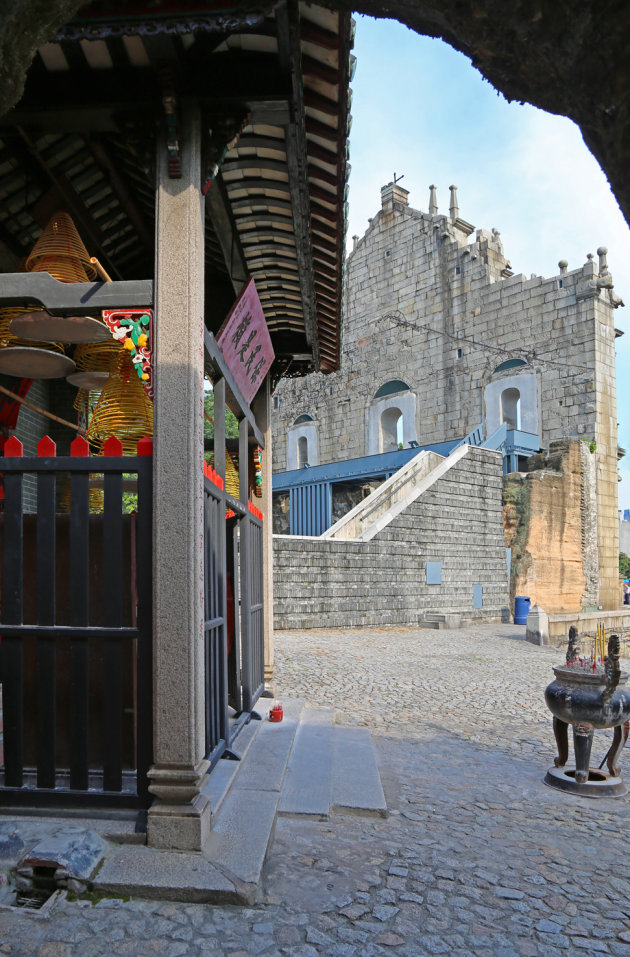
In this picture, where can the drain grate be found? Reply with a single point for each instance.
(32, 900)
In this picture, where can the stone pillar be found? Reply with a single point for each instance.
(454, 207)
(180, 817)
(537, 626)
(606, 455)
(262, 410)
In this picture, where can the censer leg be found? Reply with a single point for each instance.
(620, 736)
(582, 744)
(561, 734)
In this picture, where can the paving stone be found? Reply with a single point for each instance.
(509, 893)
(493, 858)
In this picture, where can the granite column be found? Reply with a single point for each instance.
(180, 817)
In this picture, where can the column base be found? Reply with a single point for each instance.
(180, 819)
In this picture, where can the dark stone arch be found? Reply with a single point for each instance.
(566, 58)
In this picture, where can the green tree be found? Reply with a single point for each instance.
(231, 422)
(624, 565)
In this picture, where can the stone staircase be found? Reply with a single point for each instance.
(304, 766)
(393, 496)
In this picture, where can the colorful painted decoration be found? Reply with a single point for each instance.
(133, 329)
(258, 472)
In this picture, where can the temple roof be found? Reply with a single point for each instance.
(273, 91)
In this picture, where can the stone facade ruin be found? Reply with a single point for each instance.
(550, 518)
(442, 339)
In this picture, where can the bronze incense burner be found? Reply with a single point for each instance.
(588, 693)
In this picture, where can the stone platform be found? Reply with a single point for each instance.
(304, 766)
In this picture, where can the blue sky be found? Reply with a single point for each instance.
(420, 109)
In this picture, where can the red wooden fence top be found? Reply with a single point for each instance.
(79, 447)
(13, 448)
(46, 448)
(113, 446)
(145, 446)
(212, 475)
(255, 511)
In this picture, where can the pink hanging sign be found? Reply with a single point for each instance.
(245, 342)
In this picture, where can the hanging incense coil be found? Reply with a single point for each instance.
(231, 473)
(94, 363)
(123, 410)
(96, 498)
(18, 357)
(60, 252)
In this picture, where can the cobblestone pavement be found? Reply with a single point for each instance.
(477, 856)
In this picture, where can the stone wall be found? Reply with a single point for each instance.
(550, 516)
(427, 304)
(346, 584)
(31, 426)
(615, 623)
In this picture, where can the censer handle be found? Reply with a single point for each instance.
(612, 666)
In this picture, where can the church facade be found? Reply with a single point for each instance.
(443, 341)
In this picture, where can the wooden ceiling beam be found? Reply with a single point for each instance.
(287, 17)
(224, 226)
(312, 33)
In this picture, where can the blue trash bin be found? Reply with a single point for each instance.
(521, 609)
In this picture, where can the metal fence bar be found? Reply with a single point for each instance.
(116, 787)
(144, 624)
(221, 613)
(235, 687)
(245, 548)
(257, 637)
(46, 649)
(112, 647)
(12, 659)
(79, 615)
(215, 647)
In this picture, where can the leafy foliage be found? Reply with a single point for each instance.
(624, 565)
(231, 422)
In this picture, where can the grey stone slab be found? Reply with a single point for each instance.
(168, 875)
(72, 848)
(238, 842)
(266, 763)
(306, 788)
(356, 783)
(223, 775)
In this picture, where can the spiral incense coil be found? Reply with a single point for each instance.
(123, 410)
(231, 473)
(94, 363)
(96, 499)
(99, 356)
(60, 252)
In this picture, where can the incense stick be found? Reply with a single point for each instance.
(38, 408)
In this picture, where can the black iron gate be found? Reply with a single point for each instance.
(75, 627)
(233, 552)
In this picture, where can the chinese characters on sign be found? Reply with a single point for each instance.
(245, 343)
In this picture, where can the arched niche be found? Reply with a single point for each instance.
(511, 396)
(391, 418)
(391, 429)
(302, 445)
(511, 408)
